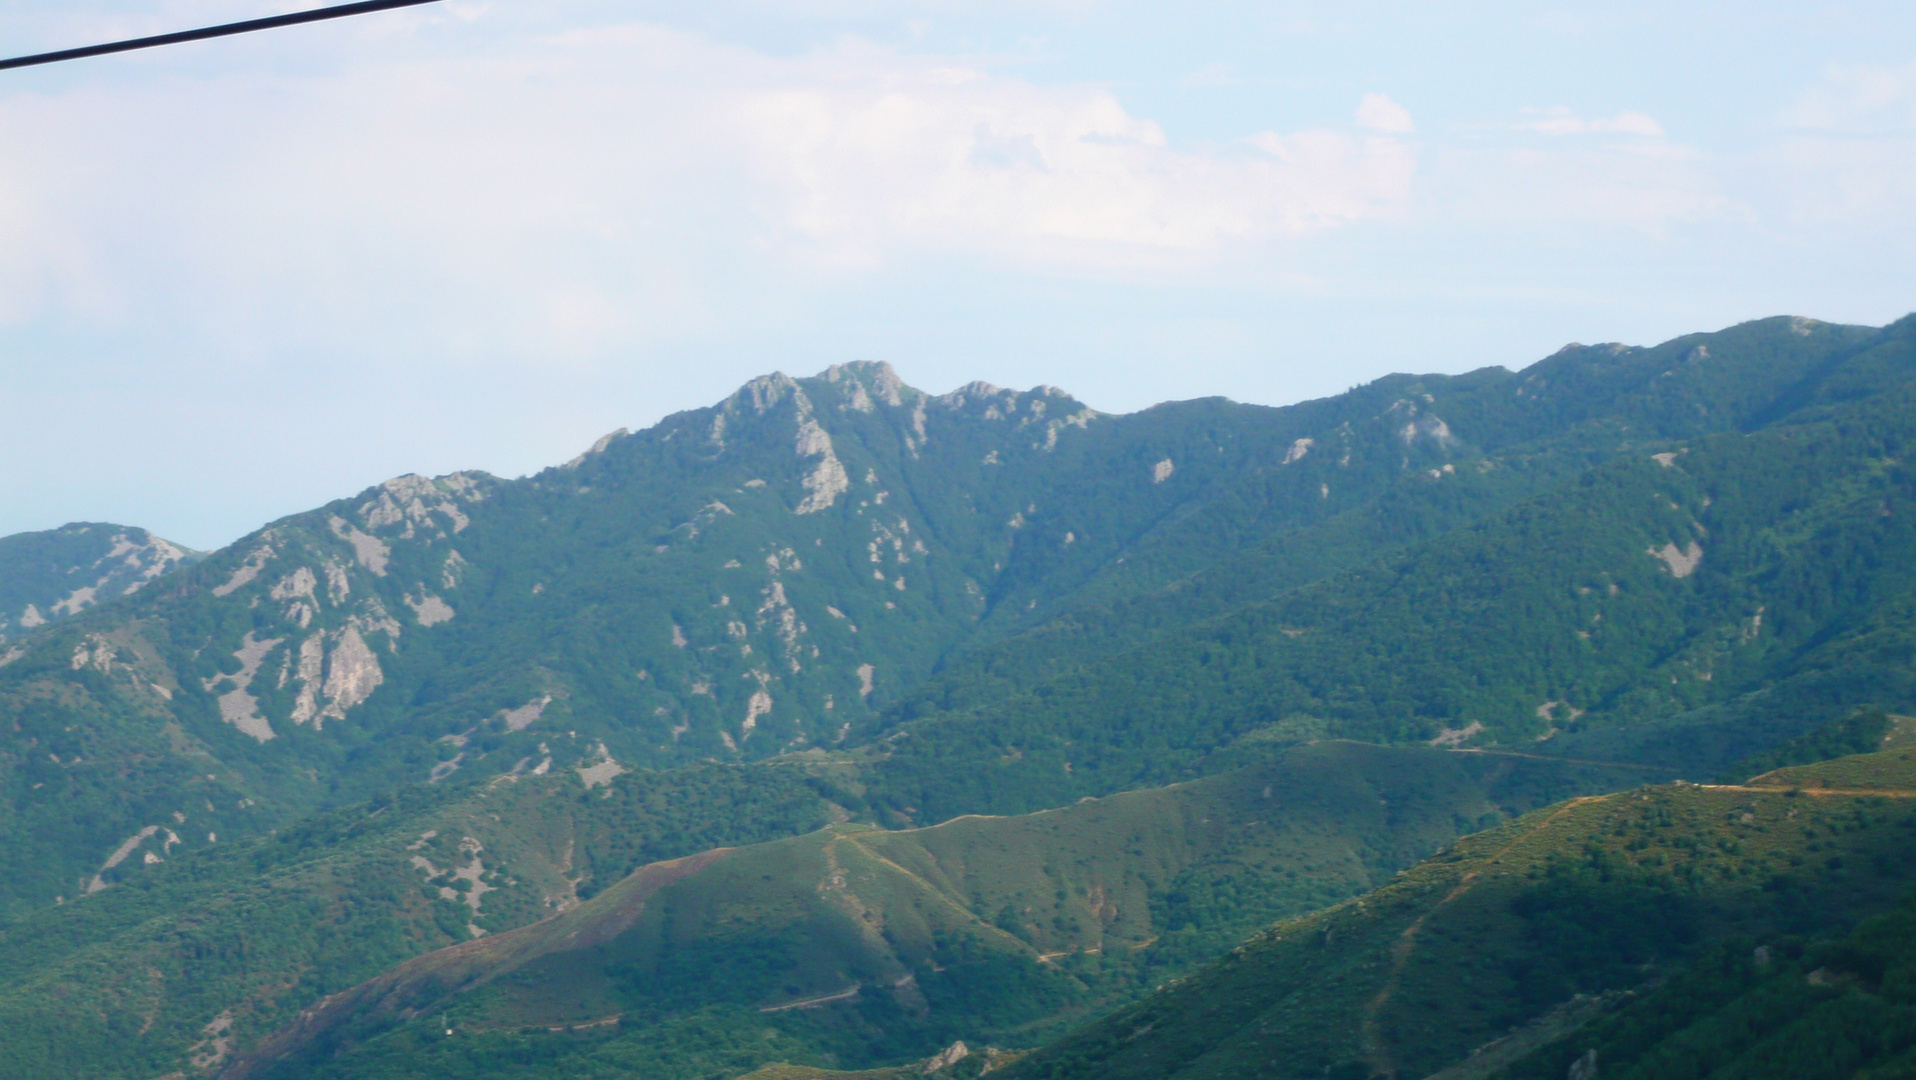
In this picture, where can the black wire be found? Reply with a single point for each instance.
(340, 12)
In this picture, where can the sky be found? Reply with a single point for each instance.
(243, 277)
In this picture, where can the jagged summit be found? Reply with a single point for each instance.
(863, 387)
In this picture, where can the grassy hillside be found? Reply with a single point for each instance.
(1597, 896)
(1787, 1006)
(1864, 731)
(856, 946)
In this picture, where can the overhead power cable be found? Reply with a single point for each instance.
(341, 11)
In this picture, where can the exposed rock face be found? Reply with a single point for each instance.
(1428, 428)
(949, 1056)
(245, 573)
(238, 707)
(127, 847)
(597, 447)
(1681, 561)
(827, 481)
(758, 705)
(1457, 736)
(312, 658)
(429, 610)
(372, 553)
(525, 715)
(418, 503)
(601, 773)
(352, 674)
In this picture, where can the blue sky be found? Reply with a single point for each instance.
(239, 278)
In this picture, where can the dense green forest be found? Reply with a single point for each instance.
(1631, 920)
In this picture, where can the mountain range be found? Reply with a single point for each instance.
(840, 723)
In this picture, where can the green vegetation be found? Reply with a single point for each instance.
(1861, 732)
(387, 754)
(125, 983)
(1799, 1004)
(856, 946)
(1788, 1010)
(1550, 623)
(1890, 770)
(1596, 896)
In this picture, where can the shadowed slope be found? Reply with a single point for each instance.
(1596, 895)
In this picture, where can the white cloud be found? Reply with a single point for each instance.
(1859, 99)
(1820, 182)
(1215, 74)
(585, 192)
(1561, 121)
(438, 240)
(892, 152)
(1851, 162)
(1380, 113)
(1648, 188)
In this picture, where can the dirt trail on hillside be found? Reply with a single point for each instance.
(1563, 760)
(1887, 793)
(813, 1003)
(1375, 1049)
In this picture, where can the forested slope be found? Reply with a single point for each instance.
(1688, 607)
(1604, 897)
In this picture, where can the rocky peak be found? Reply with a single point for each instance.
(45, 576)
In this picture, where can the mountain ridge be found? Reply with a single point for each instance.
(446, 709)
